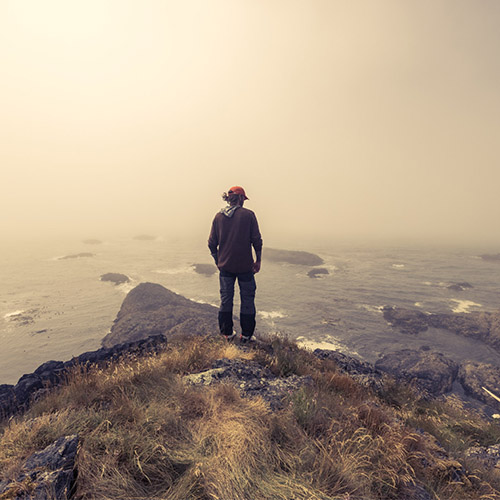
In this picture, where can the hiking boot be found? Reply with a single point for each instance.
(246, 340)
(231, 337)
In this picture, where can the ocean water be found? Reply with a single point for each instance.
(56, 309)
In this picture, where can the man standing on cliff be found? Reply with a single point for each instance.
(234, 232)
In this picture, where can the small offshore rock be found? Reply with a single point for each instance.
(206, 269)
(115, 278)
(317, 271)
(459, 287)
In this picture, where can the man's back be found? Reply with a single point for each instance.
(232, 237)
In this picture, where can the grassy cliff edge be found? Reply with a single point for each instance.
(147, 431)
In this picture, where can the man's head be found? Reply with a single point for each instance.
(235, 196)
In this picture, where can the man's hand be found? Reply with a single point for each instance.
(256, 267)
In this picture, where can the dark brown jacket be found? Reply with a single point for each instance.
(232, 238)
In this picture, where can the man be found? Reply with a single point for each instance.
(234, 232)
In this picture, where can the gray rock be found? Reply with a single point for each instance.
(251, 379)
(47, 474)
(292, 257)
(361, 371)
(115, 278)
(317, 271)
(459, 287)
(489, 457)
(406, 320)
(206, 269)
(151, 309)
(430, 371)
(484, 326)
(476, 377)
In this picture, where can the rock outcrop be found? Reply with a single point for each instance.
(16, 398)
(364, 373)
(430, 371)
(481, 381)
(151, 309)
(115, 278)
(484, 326)
(47, 474)
(292, 257)
(251, 379)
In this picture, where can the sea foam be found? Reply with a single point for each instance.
(463, 306)
(13, 314)
(272, 314)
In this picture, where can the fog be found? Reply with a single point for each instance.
(341, 119)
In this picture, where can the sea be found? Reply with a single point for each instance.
(54, 308)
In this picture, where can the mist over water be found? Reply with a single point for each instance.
(341, 119)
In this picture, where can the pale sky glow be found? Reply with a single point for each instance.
(340, 118)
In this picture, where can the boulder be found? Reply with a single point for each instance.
(206, 269)
(251, 378)
(407, 320)
(481, 381)
(459, 287)
(47, 474)
(317, 271)
(363, 372)
(292, 257)
(151, 309)
(431, 371)
(115, 278)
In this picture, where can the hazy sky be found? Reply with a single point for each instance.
(340, 118)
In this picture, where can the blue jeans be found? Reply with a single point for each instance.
(246, 282)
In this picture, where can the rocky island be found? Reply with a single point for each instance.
(296, 257)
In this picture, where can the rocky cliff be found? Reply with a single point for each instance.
(151, 309)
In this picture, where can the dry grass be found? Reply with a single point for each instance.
(146, 434)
